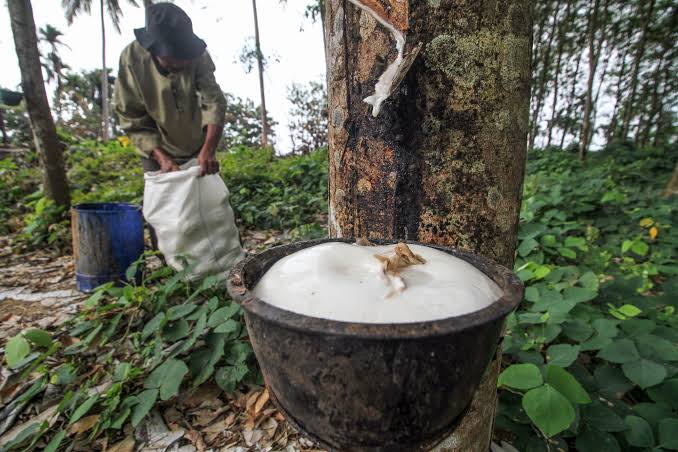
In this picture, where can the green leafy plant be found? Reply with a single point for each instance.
(129, 349)
(592, 354)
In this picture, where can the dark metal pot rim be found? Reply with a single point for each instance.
(239, 283)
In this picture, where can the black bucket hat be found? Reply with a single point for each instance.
(169, 33)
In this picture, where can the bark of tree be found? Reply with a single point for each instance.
(614, 120)
(672, 187)
(443, 162)
(540, 91)
(47, 142)
(105, 116)
(559, 58)
(629, 108)
(571, 101)
(593, 64)
(5, 139)
(260, 64)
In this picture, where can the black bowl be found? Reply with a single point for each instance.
(371, 387)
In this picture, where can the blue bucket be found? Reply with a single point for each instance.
(107, 239)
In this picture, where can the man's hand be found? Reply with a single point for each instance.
(208, 162)
(207, 157)
(167, 165)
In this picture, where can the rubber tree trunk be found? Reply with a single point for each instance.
(443, 161)
(630, 108)
(593, 64)
(260, 64)
(105, 116)
(47, 142)
(5, 139)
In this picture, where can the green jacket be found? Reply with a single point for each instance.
(167, 111)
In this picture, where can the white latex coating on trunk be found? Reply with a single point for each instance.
(340, 281)
(383, 87)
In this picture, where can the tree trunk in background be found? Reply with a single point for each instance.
(260, 63)
(571, 101)
(629, 108)
(611, 132)
(541, 11)
(540, 89)
(443, 162)
(5, 140)
(46, 140)
(105, 119)
(593, 64)
(559, 57)
(672, 187)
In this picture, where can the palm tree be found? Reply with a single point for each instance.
(75, 7)
(47, 142)
(52, 63)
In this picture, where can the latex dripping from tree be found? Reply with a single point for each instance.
(391, 266)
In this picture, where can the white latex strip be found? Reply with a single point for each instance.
(383, 87)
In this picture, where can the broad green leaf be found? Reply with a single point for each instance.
(655, 347)
(228, 377)
(567, 252)
(626, 245)
(665, 392)
(530, 230)
(668, 434)
(182, 310)
(576, 242)
(53, 445)
(83, 409)
(222, 314)
(644, 373)
(532, 294)
(153, 325)
(93, 300)
(548, 409)
(549, 240)
(122, 372)
(579, 294)
(611, 381)
(653, 412)
(640, 248)
(16, 350)
(596, 342)
(629, 310)
(595, 441)
(602, 417)
(521, 376)
(238, 353)
(589, 280)
(566, 384)
(64, 375)
(577, 330)
(562, 354)
(146, 400)
(167, 377)
(636, 327)
(606, 327)
(639, 433)
(39, 337)
(621, 351)
(541, 272)
(527, 246)
(174, 331)
(229, 326)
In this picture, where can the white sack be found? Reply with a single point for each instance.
(193, 218)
